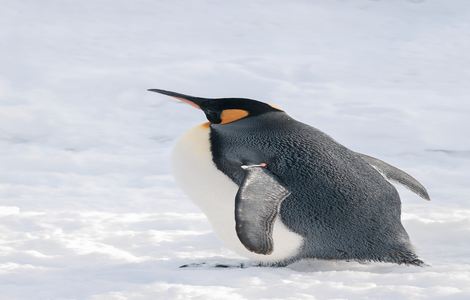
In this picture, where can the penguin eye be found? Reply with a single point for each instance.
(213, 117)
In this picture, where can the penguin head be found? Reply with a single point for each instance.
(223, 110)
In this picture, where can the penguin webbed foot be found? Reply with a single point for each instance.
(219, 265)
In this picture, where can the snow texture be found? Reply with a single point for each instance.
(88, 206)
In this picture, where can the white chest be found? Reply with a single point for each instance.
(214, 193)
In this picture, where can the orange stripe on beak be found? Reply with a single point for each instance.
(188, 102)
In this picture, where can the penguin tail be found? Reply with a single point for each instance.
(415, 262)
(405, 257)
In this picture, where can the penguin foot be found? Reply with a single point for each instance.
(219, 266)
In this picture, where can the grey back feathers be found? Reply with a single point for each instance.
(339, 204)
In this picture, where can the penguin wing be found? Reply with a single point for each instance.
(396, 175)
(256, 206)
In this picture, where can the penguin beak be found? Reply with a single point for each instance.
(193, 101)
(206, 105)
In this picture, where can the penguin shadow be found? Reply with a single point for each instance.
(451, 153)
(314, 265)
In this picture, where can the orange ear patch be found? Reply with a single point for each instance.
(232, 115)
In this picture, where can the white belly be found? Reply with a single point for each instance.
(215, 193)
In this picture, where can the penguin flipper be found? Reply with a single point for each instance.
(256, 206)
(396, 175)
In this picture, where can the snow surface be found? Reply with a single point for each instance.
(88, 208)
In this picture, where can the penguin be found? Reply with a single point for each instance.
(276, 190)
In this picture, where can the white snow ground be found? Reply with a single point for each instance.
(88, 208)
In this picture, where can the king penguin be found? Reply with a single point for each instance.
(276, 190)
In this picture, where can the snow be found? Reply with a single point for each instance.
(88, 207)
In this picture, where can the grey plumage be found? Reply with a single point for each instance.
(339, 204)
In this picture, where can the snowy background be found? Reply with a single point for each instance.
(88, 207)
